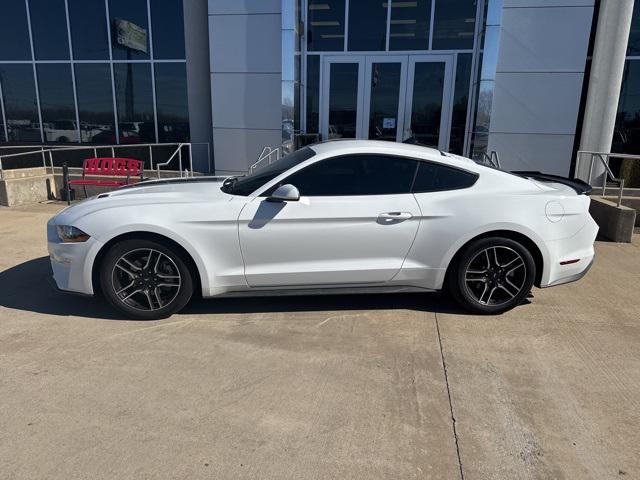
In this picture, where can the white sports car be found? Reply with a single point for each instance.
(336, 217)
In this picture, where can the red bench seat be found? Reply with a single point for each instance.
(109, 167)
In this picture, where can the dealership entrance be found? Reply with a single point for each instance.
(388, 97)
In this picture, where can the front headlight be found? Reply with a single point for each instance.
(69, 234)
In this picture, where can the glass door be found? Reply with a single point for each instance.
(343, 97)
(385, 90)
(388, 97)
(427, 114)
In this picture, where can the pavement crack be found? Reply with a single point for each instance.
(446, 379)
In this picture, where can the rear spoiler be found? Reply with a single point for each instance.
(582, 188)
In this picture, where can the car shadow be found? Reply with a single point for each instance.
(28, 287)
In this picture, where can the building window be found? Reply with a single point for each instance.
(409, 29)
(134, 103)
(168, 29)
(20, 103)
(56, 102)
(626, 137)
(454, 24)
(49, 29)
(633, 48)
(313, 94)
(88, 30)
(325, 31)
(171, 101)
(95, 103)
(367, 25)
(460, 103)
(14, 31)
(129, 29)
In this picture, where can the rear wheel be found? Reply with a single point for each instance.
(492, 275)
(145, 279)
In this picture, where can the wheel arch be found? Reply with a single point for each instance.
(196, 270)
(520, 237)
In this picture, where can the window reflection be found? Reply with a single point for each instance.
(626, 138)
(313, 93)
(56, 103)
(129, 29)
(168, 25)
(88, 23)
(325, 30)
(343, 100)
(134, 102)
(367, 25)
(409, 29)
(20, 104)
(171, 100)
(14, 32)
(383, 106)
(95, 103)
(454, 24)
(428, 84)
(49, 27)
(460, 101)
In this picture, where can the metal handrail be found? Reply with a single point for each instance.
(179, 152)
(608, 174)
(266, 154)
(40, 149)
(492, 159)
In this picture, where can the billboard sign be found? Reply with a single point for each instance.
(131, 35)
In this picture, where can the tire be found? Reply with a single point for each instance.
(145, 279)
(491, 275)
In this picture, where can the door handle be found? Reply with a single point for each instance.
(395, 216)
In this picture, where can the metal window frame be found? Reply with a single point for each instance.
(153, 72)
(113, 77)
(73, 72)
(35, 73)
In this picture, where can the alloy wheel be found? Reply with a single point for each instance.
(146, 279)
(495, 275)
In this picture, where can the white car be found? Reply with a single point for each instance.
(336, 217)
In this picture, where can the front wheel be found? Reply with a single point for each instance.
(145, 279)
(492, 275)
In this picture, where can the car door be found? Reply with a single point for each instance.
(353, 224)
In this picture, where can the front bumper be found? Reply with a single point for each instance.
(72, 262)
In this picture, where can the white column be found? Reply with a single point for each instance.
(605, 81)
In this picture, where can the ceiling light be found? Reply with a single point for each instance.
(331, 23)
(400, 4)
(403, 22)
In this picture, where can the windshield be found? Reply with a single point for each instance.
(248, 184)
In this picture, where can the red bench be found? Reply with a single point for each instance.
(109, 167)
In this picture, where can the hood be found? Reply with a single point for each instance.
(165, 191)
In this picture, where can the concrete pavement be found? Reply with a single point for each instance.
(395, 386)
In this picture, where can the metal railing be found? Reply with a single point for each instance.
(493, 159)
(47, 153)
(603, 159)
(269, 155)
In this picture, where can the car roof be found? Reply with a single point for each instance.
(337, 147)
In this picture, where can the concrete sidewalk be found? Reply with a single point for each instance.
(318, 387)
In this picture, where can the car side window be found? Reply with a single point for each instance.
(433, 177)
(365, 174)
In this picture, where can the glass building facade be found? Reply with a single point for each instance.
(626, 137)
(396, 70)
(92, 72)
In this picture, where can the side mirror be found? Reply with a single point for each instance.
(285, 193)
